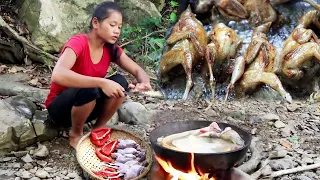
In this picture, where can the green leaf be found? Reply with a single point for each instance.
(125, 50)
(293, 139)
(174, 4)
(156, 43)
(173, 17)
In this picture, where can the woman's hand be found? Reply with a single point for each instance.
(112, 88)
(140, 87)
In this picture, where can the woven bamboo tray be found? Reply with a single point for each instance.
(88, 160)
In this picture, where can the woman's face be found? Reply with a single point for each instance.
(109, 29)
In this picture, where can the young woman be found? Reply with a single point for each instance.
(79, 92)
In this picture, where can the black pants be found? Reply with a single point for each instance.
(60, 108)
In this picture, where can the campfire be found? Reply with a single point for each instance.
(177, 174)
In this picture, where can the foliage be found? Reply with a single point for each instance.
(145, 41)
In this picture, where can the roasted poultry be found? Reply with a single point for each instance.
(223, 46)
(302, 45)
(256, 11)
(300, 49)
(260, 61)
(186, 43)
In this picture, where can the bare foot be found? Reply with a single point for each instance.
(74, 139)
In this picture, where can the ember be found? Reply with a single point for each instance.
(176, 174)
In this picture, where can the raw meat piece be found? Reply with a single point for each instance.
(126, 144)
(133, 172)
(132, 162)
(127, 151)
(123, 159)
(130, 156)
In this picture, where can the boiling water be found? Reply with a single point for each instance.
(277, 35)
(198, 144)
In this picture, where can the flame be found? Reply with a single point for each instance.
(176, 174)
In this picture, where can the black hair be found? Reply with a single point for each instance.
(101, 12)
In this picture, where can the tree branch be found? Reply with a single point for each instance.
(155, 32)
(31, 50)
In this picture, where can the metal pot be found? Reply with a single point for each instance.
(205, 162)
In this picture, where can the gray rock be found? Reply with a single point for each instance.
(307, 160)
(27, 159)
(281, 164)
(134, 113)
(278, 154)
(64, 172)
(270, 117)
(292, 107)
(44, 130)
(42, 174)
(302, 177)
(151, 106)
(27, 166)
(12, 126)
(72, 175)
(311, 175)
(137, 8)
(35, 178)
(42, 163)
(24, 174)
(279, 124)
(42, 151)
(52, 22)
(237, 114)
(211, 112)
(8, 172)
(10, 86)
(34, 170)
(114, 120)
(49, 169)
(20, 153)
(7, 159)
(17, 178)
(267, 93)
(14, 165)
(317, 160)
(266, 171)
(255, 119)
(22, 105)
(159, 4)
(288, 129)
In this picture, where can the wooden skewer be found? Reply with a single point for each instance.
(312, 3)
(294, 170)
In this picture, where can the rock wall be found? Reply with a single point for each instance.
(52, 22)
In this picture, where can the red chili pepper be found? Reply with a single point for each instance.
(100, 136)
(101, 156)
(110, 169)
(110, 147)
(107, 173)
(100, 133)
